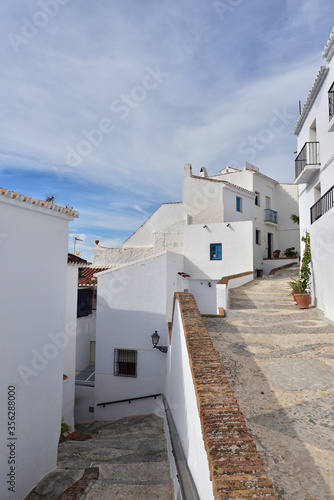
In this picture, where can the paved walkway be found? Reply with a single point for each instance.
(131, 457)
(280, 363)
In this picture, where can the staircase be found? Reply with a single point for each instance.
(129, 455)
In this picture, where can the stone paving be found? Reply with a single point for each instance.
(280, 363)
(131, 457)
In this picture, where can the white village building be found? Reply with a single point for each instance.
(37, 296)
(314, 175)
(226, 224)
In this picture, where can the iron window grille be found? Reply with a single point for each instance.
(125, 363)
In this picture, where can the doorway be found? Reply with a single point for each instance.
(270, 245)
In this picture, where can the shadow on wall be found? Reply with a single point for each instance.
(127, 365)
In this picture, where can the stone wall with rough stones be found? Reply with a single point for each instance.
(236, 469)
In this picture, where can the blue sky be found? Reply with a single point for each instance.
(103, 102)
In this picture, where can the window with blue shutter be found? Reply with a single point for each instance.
(215, 251)
(238, 204)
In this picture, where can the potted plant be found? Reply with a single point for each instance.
(291, 253)
(303, 295)
(295, 286)
(276, 254)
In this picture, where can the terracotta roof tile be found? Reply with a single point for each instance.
(86, 275)
(40, 203)
(75, 259)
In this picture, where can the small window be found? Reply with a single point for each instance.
(216, 251)
(85, 300)
(331, 102)
(238, 204)
(257, 198)
(125, 363)
(258, 237)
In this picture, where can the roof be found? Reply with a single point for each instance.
(162, 204)
(46, 205)
(311, 98)
(86, 275)
(224, 182)
(329, 48)
(71, 258)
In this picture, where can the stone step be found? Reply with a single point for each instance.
(131, 457)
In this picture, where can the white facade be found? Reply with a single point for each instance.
(245, 212)
(70, 347)
(133, 302)
(315, 178)
(181, 398)
(33, 295)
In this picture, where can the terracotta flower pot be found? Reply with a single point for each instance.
(276, 255)
(303, 300)
(294, 298)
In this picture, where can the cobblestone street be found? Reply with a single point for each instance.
(280, 363)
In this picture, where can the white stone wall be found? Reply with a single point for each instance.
(104, 257)
(321, 231)
(132, 304)
(34, 245)
(181, 398)
(161, 220)
(86, 332)
(70, 343)
(322, 247)
(202, 199)
(237, 249)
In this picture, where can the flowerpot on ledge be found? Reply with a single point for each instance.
(303, 300)
(276, 254)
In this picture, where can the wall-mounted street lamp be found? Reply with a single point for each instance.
(155, 339)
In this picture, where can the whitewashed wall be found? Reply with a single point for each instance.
(104, 257)
(321, 231)
(70, 341)
(181, 398)
(205, 295)
(132, 303)
(237, 249)
(33, 247)
(86, 332)
(202, 199)
(165, 216)
(322, 247)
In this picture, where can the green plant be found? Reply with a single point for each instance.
(294, 218)
(295, 285)
(305, 271)
(302, 283)
(64, 429)
(277, 251)
(291, 252)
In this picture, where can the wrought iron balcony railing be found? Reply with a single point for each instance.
(331, 102)
(309, 155)
(323, 205)
(270, 215)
